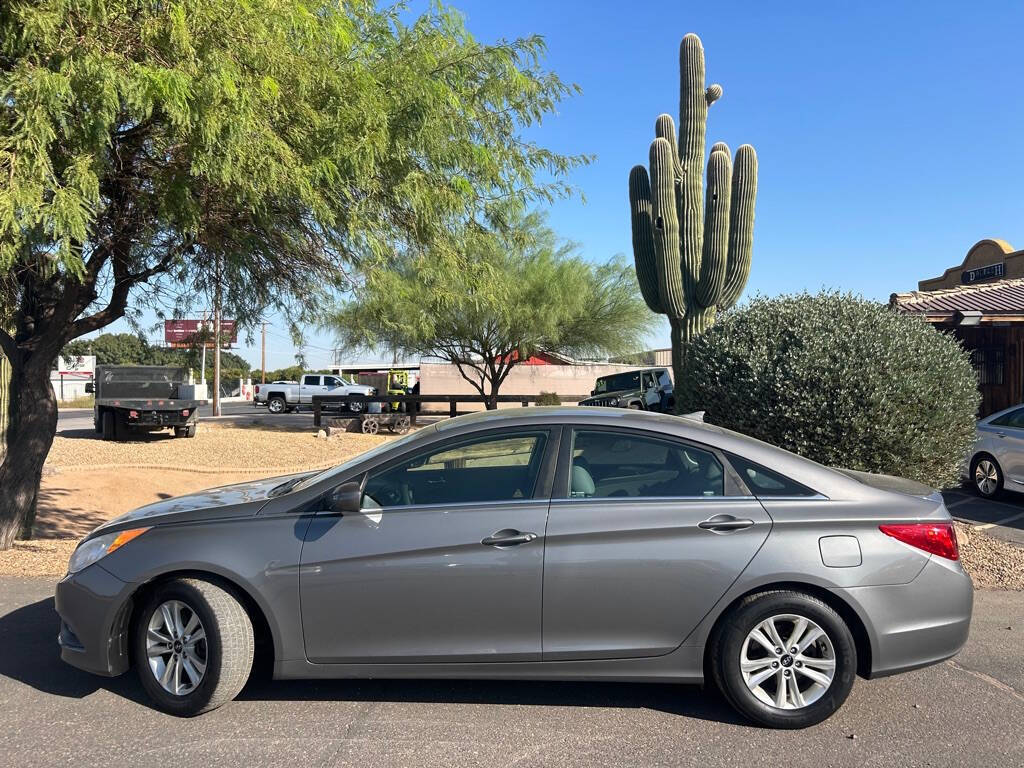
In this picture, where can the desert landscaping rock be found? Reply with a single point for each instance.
(992, 563)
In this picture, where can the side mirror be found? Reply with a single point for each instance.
(89, 387)
(347, 498)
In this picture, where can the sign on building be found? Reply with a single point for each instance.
(989, 272)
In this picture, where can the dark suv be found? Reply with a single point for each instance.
(647, 389)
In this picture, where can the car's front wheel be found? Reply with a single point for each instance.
(193, 646)
(986, 476)
(784, 659)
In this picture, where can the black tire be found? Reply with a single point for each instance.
(190, 430)
(120, 427)
(726, 645)
(983, 489)
(277, 404)
(230, 646)
(107, 425)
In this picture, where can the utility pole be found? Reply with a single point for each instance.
(263, 361)
(216, 344)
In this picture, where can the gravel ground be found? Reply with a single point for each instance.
(992, 563)
(214, 448)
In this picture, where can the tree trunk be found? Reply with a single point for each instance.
(34, 422)
(492, 401)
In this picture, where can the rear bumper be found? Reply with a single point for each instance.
(917, 624)
(94, 608)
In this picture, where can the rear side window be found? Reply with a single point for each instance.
(765, 482)
(619, 464)
(311, 380)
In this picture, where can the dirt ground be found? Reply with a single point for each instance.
(87, 481)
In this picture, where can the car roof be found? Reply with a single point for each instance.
(829, 482)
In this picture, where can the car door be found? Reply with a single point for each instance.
(645, 534)
(310, 386)
(651, 394)
(1006, 441)
(444, 563)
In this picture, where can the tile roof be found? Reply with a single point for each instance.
(1003, 297)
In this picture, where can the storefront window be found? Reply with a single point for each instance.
(988, 364)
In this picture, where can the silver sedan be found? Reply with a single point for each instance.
(543, 543)
(997, 460)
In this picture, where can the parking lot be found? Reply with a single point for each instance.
(966, 712)
(1002, 517)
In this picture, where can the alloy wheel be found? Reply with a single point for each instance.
(176, 647)
(788, 661)
(986, 477)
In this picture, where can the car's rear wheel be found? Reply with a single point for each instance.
(986, 476)
(784, 659)
(193, 646)
(276, 405)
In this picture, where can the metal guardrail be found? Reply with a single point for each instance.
(319, 401)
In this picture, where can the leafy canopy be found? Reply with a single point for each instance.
(514, 290)
(265, 146)
(841, 380)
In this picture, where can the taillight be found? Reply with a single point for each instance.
(936, 538)
(257, 389)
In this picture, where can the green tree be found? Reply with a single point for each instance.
(514, 290)
(255, 153)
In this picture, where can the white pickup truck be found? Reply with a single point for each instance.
(281, 398)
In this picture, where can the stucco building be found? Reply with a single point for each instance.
(981, 302)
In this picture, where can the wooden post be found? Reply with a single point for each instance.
(316, 412)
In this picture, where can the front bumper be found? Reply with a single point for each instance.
(916, 624)
(94, 608)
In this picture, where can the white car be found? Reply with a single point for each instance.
(997, 460)
(280, 398)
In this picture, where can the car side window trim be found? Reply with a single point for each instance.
(734, 487)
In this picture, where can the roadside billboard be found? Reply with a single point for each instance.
(190, 333)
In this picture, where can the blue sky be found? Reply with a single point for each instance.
(890, 135)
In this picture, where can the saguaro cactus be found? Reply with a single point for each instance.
(692, 253)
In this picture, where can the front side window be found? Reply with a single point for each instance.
(1011, 419)
(496, 468)
(620, 464)
(649, 382)
(331, 381)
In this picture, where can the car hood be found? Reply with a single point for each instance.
(238, 500)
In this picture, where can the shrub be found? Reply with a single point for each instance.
(549, 398)
(840, 380)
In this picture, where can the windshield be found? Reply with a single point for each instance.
(620, 381)
(396, 444)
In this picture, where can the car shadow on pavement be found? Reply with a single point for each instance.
(1006, 510)
(28, 636)
(685, 700)
(30, 656)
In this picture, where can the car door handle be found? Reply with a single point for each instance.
(508, 537)
(722, 523)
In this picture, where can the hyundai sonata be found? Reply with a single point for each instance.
(544, 543)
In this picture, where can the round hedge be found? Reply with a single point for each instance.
(841, 380)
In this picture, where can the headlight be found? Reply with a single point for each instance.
(90, 551)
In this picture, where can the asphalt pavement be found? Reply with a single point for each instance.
(965, 712)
